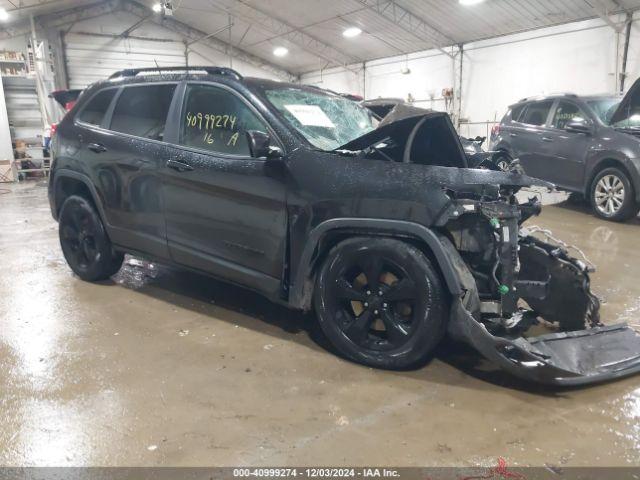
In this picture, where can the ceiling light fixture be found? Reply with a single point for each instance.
(470, 2)
(280, 51)
(157, 7)
(352, 32)
(4, 15)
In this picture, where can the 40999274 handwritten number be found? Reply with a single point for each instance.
(208, 121)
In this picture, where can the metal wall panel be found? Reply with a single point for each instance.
(93, 57)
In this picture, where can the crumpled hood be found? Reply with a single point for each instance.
(460, 177)
(394, 125)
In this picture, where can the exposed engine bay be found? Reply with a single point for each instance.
(527, 303)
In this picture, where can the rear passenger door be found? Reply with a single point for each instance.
(126, 155)
(532, 127)
(225, 211)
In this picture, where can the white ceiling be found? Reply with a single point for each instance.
(312, 29)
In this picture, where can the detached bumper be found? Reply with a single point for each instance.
(569, 359)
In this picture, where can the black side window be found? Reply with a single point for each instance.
(536, 113)
(565, 112)
(142, 110)
(217, 120)
(94, 111)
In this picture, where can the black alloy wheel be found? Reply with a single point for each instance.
(84, 241)
(380, 302)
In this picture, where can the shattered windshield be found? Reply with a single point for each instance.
(326, 121)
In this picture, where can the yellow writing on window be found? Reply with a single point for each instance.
(210, 121)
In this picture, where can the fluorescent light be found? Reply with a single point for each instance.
(280, 51)
(157, 7)
(352, 32)
(470, 2)
(4, 15)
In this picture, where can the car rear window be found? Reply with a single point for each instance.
(94, 111)
(536, 113)
(142, 110)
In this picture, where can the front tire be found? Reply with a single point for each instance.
(612, 196)
(381, 303)
(84, 241)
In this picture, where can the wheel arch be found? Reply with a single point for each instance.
(608, 162)
(331, 232)
(67, 183)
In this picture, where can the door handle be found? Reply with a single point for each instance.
(179, 166)
(547, 139)
(97, 147)
(513, 134)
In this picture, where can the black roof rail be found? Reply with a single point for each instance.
(132, 72)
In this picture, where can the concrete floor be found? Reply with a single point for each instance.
(163, 367)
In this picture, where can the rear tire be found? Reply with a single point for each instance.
(612, 196)
(84, 241)
(381, 303)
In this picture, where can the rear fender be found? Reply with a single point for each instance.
(55, 190)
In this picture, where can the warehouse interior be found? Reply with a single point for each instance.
(162, 366)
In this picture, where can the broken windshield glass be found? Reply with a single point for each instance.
(326, 121)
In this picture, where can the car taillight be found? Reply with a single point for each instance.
(69, 105)
(54, 127)
(495, 130)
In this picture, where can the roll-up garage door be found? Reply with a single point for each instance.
(90, 57)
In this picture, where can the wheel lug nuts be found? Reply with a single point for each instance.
(379, 293)
(368, 292)
(366, 304)
(375, 312)
(384, 305)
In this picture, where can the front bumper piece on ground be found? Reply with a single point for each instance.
(556, 288)
(567, 358)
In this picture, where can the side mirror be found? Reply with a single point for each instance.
(579, 126)
(260, 145)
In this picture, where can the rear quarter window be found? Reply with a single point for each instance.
(93, 112)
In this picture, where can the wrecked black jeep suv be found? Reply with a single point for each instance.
(298, 194)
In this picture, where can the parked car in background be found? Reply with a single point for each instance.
(584, 144)
(477, 157)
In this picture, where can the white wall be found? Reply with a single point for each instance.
(579, 57)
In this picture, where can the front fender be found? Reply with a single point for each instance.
(302, 289)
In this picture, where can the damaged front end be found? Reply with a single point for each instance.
(527, 304)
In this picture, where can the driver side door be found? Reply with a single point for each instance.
(225, 210)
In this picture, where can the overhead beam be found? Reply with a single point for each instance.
(191, 34)
(212, 34)
(602, 11)
(63, 17)
(296, 35)
(133, 27)
(410, 23)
